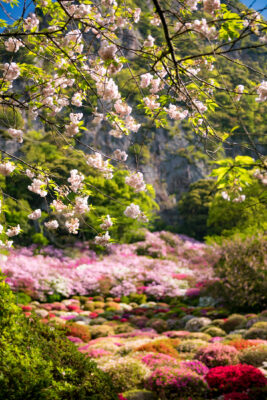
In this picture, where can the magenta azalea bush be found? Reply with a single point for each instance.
(195, 366)
(217, 354)
(155, 360)
(169, 381)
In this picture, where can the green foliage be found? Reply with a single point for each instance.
(256, 333)
(107, 196)
(10, 118)
(22, 298)
(205, 213)
(105, 201)
(194, 208)
(191, 345)
(254, 355)
(242, 268)
(140, 395)
(234, 171)
(214, 331)
(248, 217)
(141, 153)
(38, 363)
(126, 373)
(235, 321)
(101, 331)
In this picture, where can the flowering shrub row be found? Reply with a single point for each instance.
(121, 272)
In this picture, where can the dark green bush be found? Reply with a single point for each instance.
(38, 363)
(255, 355)
(22, 298)
(194, 208)
(235, 321)
(242, 269)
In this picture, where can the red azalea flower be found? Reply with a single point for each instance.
(117, 299)
(72, 307)
(235, 378)
(26, 308)
(27, 314)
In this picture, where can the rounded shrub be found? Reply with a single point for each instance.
(126, 372)
(155, 360)
(235, 321)
(98, 331)
(254, 355)
(217, 355)
(195, 324)
(233, 336)
(99, 304)
(242, 344)
(78, 330)
(177, 383)
(199, 335)
(260, 325)
(98, 321)
(160, 325)
(174, 323)
(89, 306)
(113, 305)
(196, 366)
(99, 298)
(139, 321)
(137, 394)
(235, 378)
(37, 362)
(97, 353)
(190, 346)
(123, 328)
(163, 346)
(242, 264)
(256, 333)
(218, 322)
(214, 331)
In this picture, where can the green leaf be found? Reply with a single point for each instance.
(244, 160)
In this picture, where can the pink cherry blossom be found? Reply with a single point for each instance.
(35, 214)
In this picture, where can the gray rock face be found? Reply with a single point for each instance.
(165, 166)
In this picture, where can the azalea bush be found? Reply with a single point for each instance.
(255, 356)
(235, 378)
(172, 383)
(159, 346)
(154, 360)
(217, 354)
(126, 372)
